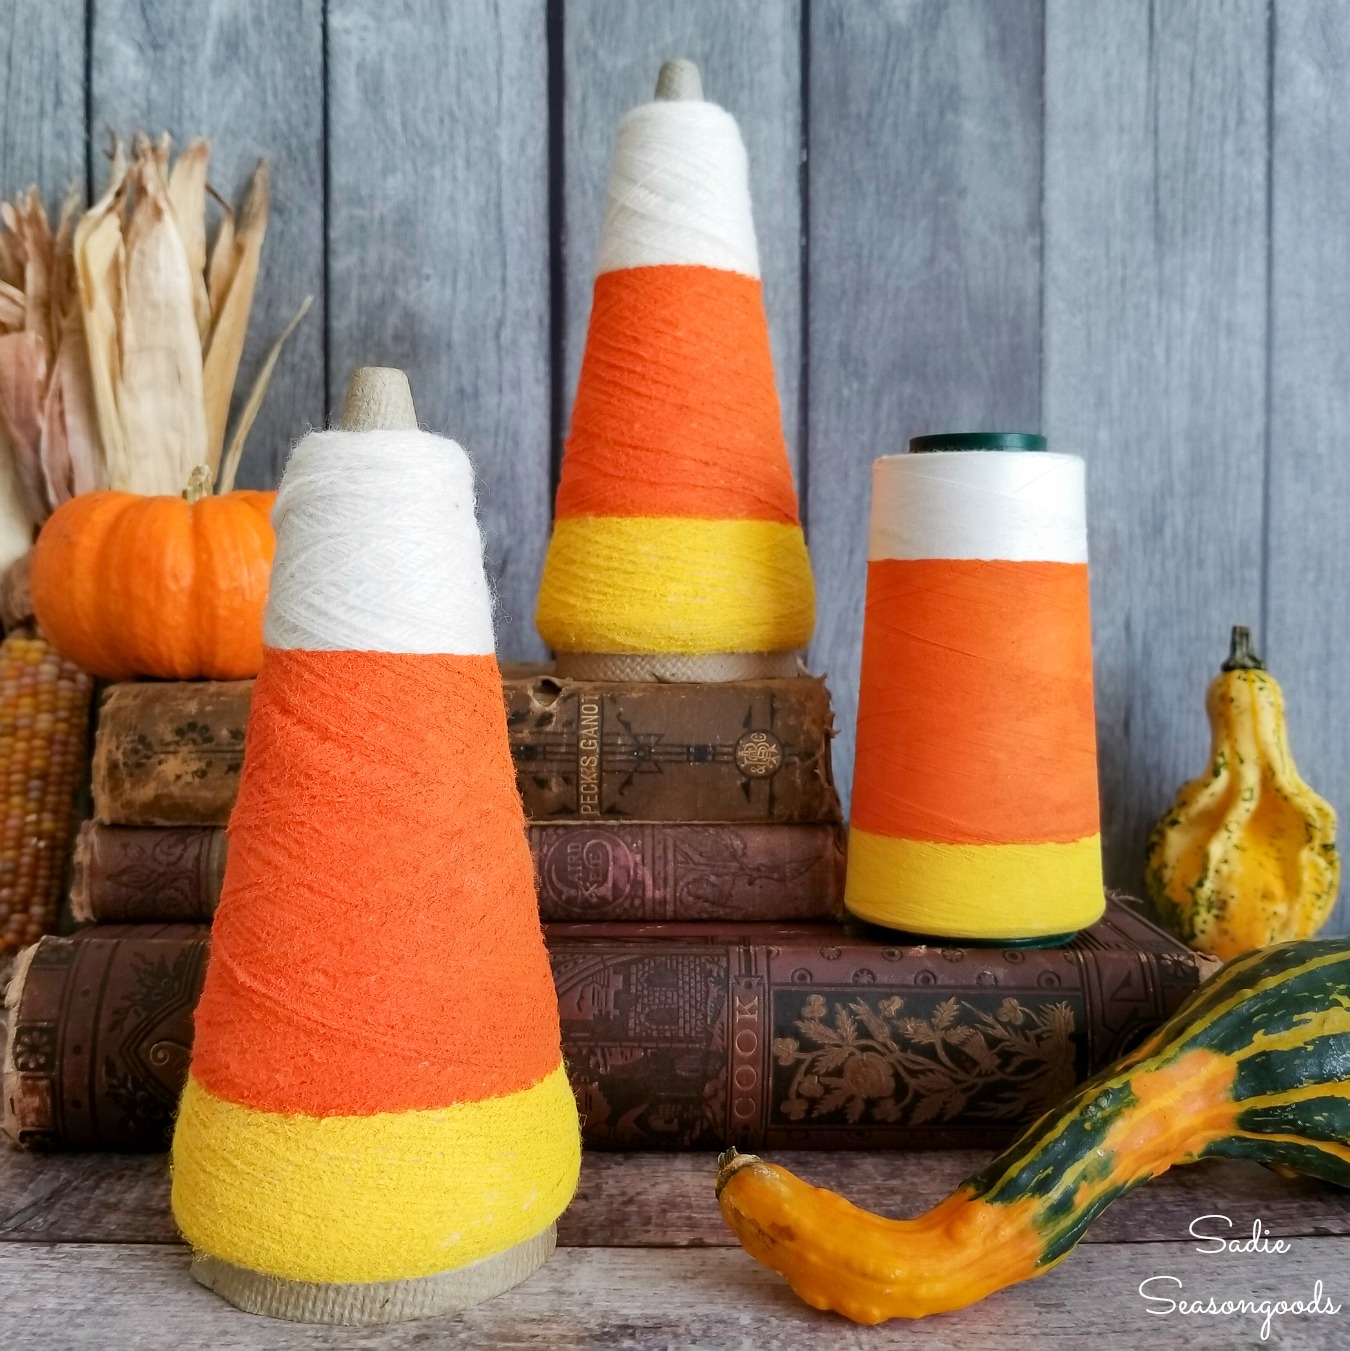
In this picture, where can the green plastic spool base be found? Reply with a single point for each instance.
(909, 937)
(977, 441)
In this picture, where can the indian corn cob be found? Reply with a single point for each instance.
(44, 718)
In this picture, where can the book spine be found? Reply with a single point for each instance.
(796, 1039)
(146, 874)
(625, 871)
(169, 753)
(738, 751)
(99, 1037)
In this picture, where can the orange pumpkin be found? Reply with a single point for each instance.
(174, 587)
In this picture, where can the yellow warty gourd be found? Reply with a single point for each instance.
(1246, 856)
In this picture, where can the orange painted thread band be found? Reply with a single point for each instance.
(411, 976)
(676, 411)
(992, 739)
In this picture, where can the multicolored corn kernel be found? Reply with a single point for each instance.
(44, 720)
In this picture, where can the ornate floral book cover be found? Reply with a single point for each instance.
(676, 1036)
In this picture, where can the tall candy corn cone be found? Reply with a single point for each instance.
(677, 549)
(377, 1124)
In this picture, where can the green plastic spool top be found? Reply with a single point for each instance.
(977, 441)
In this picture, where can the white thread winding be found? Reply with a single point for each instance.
(373, 561)
(679, 191)
(1018, 505)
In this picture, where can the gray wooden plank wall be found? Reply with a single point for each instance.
(1121, 224)
(1154, 361)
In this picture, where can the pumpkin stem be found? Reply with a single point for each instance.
(199, 484)
(1240, 654)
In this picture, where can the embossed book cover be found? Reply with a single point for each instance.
(604, 870)
(676, 1036)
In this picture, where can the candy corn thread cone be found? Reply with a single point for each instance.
(677, 548)
(975, 811)
(377, 1124)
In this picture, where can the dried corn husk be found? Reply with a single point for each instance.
(220, 270)
(230, 466)
(239, 276)
(71, 451)
(23, 382)
(16, 524)
(13, 307)
(159, 395)
(35, 235)
(72, 416)
(187, 192)
(121, 335)
(100, 276)
(52, 444)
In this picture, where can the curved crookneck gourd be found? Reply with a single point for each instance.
(1253, 1066)
(1246, 856)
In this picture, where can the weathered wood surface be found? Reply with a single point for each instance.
(247, 75)
(666, 1200)
(1155, 341)
(438, 249)
(1308, 567)
(103, 1295)
(750, 60)
(924, 264)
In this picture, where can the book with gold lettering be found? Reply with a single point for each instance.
(168, 753)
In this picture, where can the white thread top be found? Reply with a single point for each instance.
(378, 548)
(679, 191)
(1021, 506)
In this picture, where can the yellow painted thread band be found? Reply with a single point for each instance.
(975, 890)
(386, 1197)
(675, 584)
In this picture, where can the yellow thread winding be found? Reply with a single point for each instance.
(675, 584)
(392, 1196)
(975, 890)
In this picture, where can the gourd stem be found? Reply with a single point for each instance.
(1240, 654)
(728, 1163)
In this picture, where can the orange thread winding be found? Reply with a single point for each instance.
(676, 411)
(406, 1007)
(993, 740)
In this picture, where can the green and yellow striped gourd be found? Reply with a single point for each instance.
(1256, 1065)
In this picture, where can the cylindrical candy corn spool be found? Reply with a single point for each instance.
(677, 549)
(975, 807)
(377, 1124)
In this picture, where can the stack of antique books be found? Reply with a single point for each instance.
(689, 852)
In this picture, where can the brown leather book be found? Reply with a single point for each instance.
(621, 870)
(676, 1036)
(168, 753)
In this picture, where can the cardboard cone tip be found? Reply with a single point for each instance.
(678, 81)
